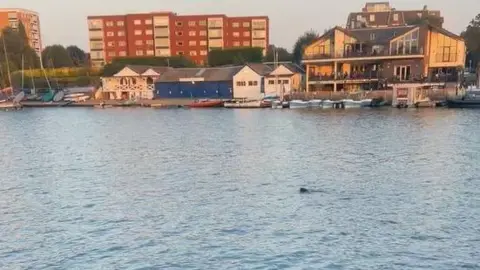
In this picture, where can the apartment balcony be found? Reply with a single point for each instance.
(355, 77)
(362, 55)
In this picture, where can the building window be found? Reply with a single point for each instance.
(149, 42)
(252, 83)
(180, 53)
(179, 43)
(193, 53)
(236, 44)
(192, 23)
(137, 22)
(122, 43)
(202, 23)
(150, 52)
(120, 23)
(179, 24)
(246, 43)
(235, 25)
(111, 54)
(148, 22)
(203, 33)
(139, 53)
(246, 34)
(372, 36)
(203, 52)
(138, 32)
(111, 44)
(179, 33)
(139, 42)
(149, 32)
(372, 17)
(122, 53)
(285, 81)
(395, 17)
(271, 81)
(109, 23)
(121, 33)
(407, 44)
(192, 43)
(241, 83)
(203, 43)
(246, 24)
(359, 17)
(110, 34)
(192, 33)
(236, 34)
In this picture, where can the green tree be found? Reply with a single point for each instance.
(283, 54)
(303, 41)
(119, 63)
(77, 55)
(236, 56)
(472, 40)
(56, 56)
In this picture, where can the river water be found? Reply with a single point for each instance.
(218, 189)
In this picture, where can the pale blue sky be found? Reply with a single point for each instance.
(65, 21)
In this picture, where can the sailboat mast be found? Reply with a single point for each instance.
(8, 65)
(23, 71)
(33, 82)
(44, 73)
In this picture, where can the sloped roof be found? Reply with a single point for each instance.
(260, 69)
(139, 69)
(207, 74)
(381, 35)
(294, 68)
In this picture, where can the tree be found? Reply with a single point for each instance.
(472, 40)
(118, 64)
(283, 54)
(17, 53)
(236, 56)
(56, 56)
(303, 41)
(77, 55)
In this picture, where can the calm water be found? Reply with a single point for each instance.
(218, 189)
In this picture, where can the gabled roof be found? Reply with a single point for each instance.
(260, 69)
(205, 74)
(294, 68)
(139, 70)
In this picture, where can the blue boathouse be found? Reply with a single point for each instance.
(196, 83)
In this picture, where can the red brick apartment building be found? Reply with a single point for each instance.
(11, 17)
(169, 34)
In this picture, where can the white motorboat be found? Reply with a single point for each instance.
(246, 104)
(366, 102)
(350, 103)
(299, 104)
(277, 104)
(315, 103)
(327, 104)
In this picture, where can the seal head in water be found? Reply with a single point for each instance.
(304, 190)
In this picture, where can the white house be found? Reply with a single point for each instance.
(132, 82)
(248, 83)
(285, 79)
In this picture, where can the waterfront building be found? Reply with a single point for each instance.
(370, 58)
(249, 82)
(168, 34)
(12, 17)
(381, 14)
(284, 80)
(132, 82)
(196, 83)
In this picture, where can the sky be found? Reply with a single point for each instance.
(65, 21)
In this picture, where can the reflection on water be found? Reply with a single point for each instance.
(209, 189)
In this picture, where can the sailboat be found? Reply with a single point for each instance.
(15, 103)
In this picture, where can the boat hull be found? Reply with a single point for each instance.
(206, 104)
(298, 104)
(247, 105)
(464, 104)
(349, 104)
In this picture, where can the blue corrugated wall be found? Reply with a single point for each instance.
(223, 90)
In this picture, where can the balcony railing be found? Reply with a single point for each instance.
(360, 54)
(345, 77)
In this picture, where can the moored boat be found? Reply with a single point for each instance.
(350, 103)
(470, 100)
(327, 104)
(277, 104)
(315, 103)
(366, 102)
(246, 104)
(206, 103)
(299, 104)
